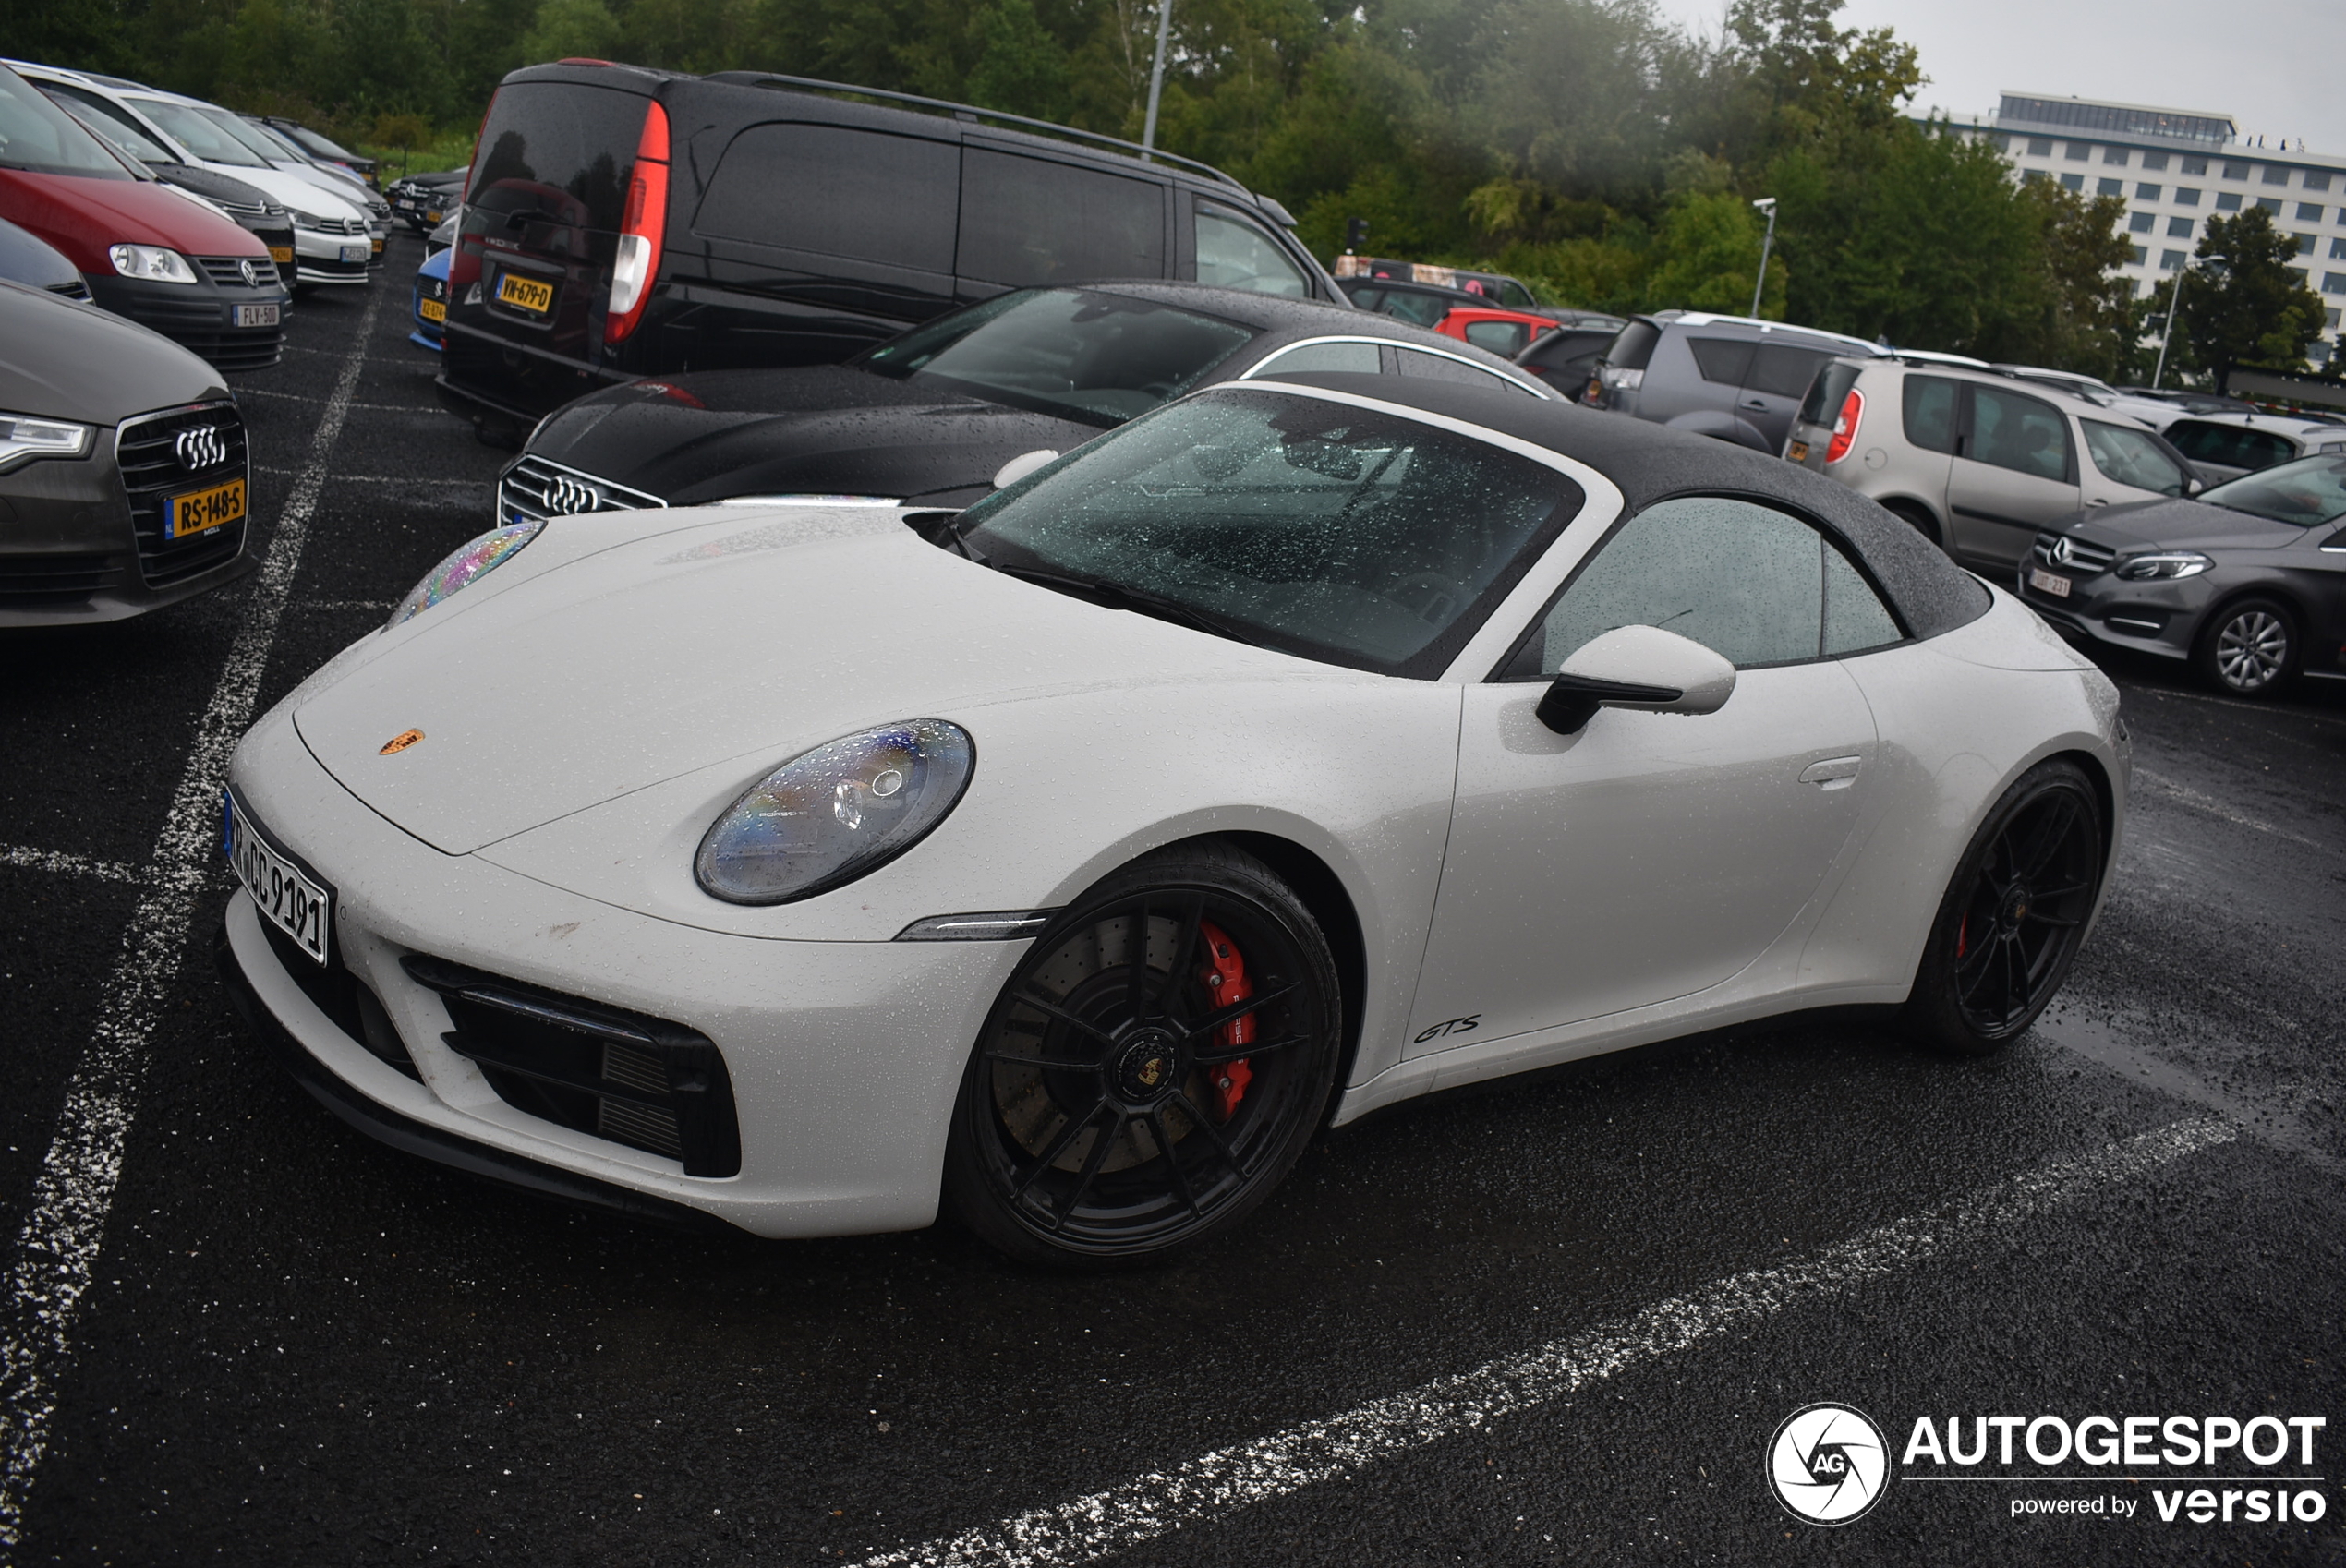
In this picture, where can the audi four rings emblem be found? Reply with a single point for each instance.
(201, 447)
(567, 495)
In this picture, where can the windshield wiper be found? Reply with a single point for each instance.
(1139, 601)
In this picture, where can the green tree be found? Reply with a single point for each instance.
(567, 28)
(2085, 316)
(2243, 300)
(1020, 67)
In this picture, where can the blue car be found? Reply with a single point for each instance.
(431, 300)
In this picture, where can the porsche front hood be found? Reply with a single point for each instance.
(756, 638)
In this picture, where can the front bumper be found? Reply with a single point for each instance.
(844, 1057)
(2159, 618)
(318, 255)
(200, 317)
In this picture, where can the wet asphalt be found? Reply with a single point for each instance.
(301, 1347)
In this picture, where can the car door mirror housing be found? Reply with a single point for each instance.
(1019, 467)
(1636, 667)
(2193, 486)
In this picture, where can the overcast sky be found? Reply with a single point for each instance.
(2272, 65)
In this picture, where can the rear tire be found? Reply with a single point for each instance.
(2013, 915)
(2249, 649)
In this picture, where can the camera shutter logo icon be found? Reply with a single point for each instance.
(1828, 1464)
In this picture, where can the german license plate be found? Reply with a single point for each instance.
(288, 896)
(280, 254)
(2045, 582)
(433, 310)
(1797, 452)
(525, 294)
(256, 314)
(198, 511)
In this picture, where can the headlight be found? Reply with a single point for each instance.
(2167, 563)
(153, 262)
(468, 563)
(836, 812)
(311, 221)
(22, 439)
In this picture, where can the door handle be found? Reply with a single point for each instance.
(2100, 502)
(1833, 773)
(1755, 402)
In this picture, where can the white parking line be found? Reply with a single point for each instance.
(50, 1273)
(243, 393)
(2185, 794)
(70, 865)
(1229, 1479)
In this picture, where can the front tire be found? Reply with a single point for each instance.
(2249, 649)
(2015, 913)
(1118, 1108)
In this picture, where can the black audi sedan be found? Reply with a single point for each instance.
(2247, 581)
(935, 417)
(124, 476)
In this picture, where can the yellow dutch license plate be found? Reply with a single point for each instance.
(200, 510)
(433, 310)
(1798, 452)
(379, 248)
(433, 217)
(280, 254)
(525, 294)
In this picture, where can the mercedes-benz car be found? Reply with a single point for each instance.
(1067, 862)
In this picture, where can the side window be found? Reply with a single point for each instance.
(1424, 309)
(1233, 253)
(1745, 580)
(1855, 619)
(1360, 358)
(1032, 221)
(1441, 367)
(819, 188)
(1502, 338)
(1782, 370)
(1725, 360)
(2132, 457)
(1929, 411)
(2022, 433)
(2201, 444)
(2262, 449)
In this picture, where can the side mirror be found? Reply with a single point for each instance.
(1636, 667)
(1019, 467)
(2193, 486)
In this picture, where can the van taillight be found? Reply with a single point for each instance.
(1845, 428)
(642, 230)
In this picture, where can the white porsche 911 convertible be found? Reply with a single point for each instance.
(1067, 862)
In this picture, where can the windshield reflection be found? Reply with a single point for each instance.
(2309, 492)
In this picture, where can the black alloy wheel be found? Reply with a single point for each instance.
(2249, 647)
(1158, 1062)
(2014, 914)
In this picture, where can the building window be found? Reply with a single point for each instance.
(2170, 261)
(2040, 147)
(2000, 143)
(2337, 249)
(2309, 211)
(2269, 204)
(2304, 278)
(2194, 165)
(2077, 151)
(2186, 195)
(2139, 255)
(2318, 179)
(2227, 200)
(2147, 192)
(2072, 182)
(2334, 283)
(2111, 187)
(2276, 173)
(2235, 171)
(2305, 244)
(2154, 160)
(2141, 222)
(2030, 177)
(2179, 228)
(2333, 319)
(2117, 155)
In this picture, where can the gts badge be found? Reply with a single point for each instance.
(1466, 1025)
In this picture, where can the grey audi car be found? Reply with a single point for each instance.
(2247, 581)
(124, 480)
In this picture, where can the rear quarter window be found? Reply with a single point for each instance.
(1633, 348)
(578, 141)
(1032, 221)
(1782, 370)
(1723, 360)
(1827, 390)
(1927, 408)
(836, 190)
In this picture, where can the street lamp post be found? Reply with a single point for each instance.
(2167, 333)
(1156, 72)
(1766, 204)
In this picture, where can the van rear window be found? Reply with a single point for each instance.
(837, 191)
(1032, 221)
(550, 141)
(1634, 348)
(1827, 392)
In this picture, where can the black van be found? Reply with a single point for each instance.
(621, 222)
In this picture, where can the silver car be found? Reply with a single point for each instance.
(2225, 446)
(1978, 462)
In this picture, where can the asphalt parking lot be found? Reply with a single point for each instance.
(1557, 1321)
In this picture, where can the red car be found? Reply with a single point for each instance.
(148, 252)
(1505, 332)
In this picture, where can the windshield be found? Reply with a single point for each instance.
(1354, 538)
(2309, 492)
(2133, 457)
(115, 133)
(1098, 359)
(38, 136)
(199, 135)
(318, 146)
(268, 147)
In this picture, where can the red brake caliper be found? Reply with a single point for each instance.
(1225, 982)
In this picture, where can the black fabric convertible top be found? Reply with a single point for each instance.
(1647, 462)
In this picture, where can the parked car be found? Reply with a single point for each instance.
(2157, 413)
(1977, 461)
(2246, 581)
(249, 207)
(271, 142)
(1422, 305)
(1493, 288)
(422, 201)
(932, 418)
(146, 252)
(124, 478)
(1729, 377)
(1566, 358)
(27, 259)
(331, 243)
(779, 224)
(1067, 863)
(2225, 446)
(320, 147)
(429, 301)
(1504, 332)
